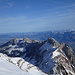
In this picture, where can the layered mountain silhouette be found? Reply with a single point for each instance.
(48, 56)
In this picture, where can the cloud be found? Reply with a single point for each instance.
(50, 22)
(7, 5)
(28, 7)
(10, 4)
(58, 17)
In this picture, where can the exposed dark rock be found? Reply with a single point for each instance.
(40, 53)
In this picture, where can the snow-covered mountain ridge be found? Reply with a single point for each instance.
(28, 69)
(49, 56)
(7, 68)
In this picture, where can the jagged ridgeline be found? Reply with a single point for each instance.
(51, 57)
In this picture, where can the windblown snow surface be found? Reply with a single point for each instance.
(11, 66)
(7, 68)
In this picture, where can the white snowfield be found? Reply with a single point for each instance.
(24, 65)
(7, 68)
(17, 66)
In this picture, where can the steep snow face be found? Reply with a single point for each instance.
(55, 53)
(17, 66)
(47, 62)
(7, 68)
(63, 63)
(22, 64)
(46, 46)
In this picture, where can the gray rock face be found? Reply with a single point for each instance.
(50, 56)
(53, 42)
(69, 53)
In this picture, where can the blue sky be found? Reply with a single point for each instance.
(36, 15)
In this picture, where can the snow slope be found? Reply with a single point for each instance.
(7, 68)
(17, 66)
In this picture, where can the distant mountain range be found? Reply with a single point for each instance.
(66, 36)
(45, 57)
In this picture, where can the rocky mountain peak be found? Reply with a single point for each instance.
(27, 40)
(49, 56)
(63, 64)
(14, 41)
(68, 52)
(53, 42)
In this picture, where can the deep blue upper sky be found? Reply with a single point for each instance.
(36, 15)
